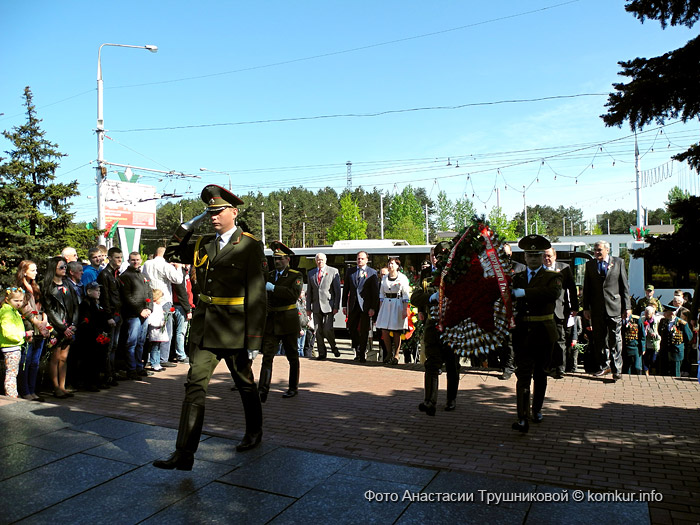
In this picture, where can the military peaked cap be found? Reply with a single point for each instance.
(279, 249)
(217, 198)
(534, 244)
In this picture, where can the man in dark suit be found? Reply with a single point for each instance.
(229, 320)
(535, 291)
(606, 301)
(323, 301)
(567, 306)
(283, 287)
(360, 302)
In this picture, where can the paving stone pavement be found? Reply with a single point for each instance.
(355, 430)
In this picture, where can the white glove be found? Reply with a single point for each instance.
(518, 292)
(269, 287)
(252, 354)
(435, 297)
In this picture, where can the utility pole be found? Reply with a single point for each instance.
(525, 208)
(427, 231)
(349, 176)
(381, 215)
(280, 237)
(262, 221)
(637, 183)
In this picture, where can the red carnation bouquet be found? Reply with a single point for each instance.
(475, 310)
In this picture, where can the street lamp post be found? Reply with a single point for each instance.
(221, 172)
(101, 169)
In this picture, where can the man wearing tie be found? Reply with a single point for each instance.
(535, 291)
(323, 301)
(360, 301)
(229, 320)
(606, 301)
(567, 306)
(283, 287)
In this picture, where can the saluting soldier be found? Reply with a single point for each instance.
(425, 299)
(229, 320)
(675, 333)
(536, 291)
(283, 287)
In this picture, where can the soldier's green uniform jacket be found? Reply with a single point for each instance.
(232, 304)
(674, 338)
(282, 312)
(633, 336)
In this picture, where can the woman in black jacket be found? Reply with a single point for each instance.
(61, 306)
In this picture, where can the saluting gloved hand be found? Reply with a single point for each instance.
(269, 287)
(186, 229)
(252, 354)
(435, 297)
(518, 292)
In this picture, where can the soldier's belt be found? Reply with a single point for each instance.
(228, 301)
(283, 308)
(391, 295)
(535, 318)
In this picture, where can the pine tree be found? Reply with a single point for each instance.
(662, 87)
(35, 218)
(348, 224)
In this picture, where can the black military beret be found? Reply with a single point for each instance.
(534, 244)
(279, 249)
(217, 198)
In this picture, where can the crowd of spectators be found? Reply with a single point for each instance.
(94, 324)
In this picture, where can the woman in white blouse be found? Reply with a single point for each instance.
(394, 294)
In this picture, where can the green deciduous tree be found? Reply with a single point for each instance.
(501, 225)
(34, 214)
(661, 87)
(349, 224)
(406, 218)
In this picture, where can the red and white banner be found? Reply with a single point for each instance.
(133, 205)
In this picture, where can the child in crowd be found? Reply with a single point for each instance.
(92, 339)
(634, 338)
(12, 337)
(158, 339)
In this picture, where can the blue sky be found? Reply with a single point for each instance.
(244, 63)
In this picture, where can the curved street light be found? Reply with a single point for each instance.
(101, 171)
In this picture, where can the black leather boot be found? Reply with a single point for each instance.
(523, 399)
(538, 393)
(253, 419)
(188, 434)
(264, 383)
(452, 384)
(293, 379)
(431, 389)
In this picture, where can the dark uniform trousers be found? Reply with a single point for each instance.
(533, 337)
(229, 320)
(436, 353)
(282, 325)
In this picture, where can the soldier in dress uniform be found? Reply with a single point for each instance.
(675, 333)
(229, 320)
(284, 287)
(425, 298)
(535, 291)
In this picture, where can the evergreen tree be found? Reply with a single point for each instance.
(661, 87)
(349, 224)
(34, 214)
(406, 218)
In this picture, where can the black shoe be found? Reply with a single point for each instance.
(178, 461)
(537, 417)
(113, 382)
(290, 393)
(263, 395)
(362, 359)
(39, 399)
(92, 388)
(167, 364)
(557, 375)
(336, 352)
(617, 377)
(428, 408)
(321, 358)
(133, 375)
(356, 358)
(451, 405)
(144, 373)
(601, 373)
(505, 376)
(521, 426)
(234, 388)
(249, 442)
